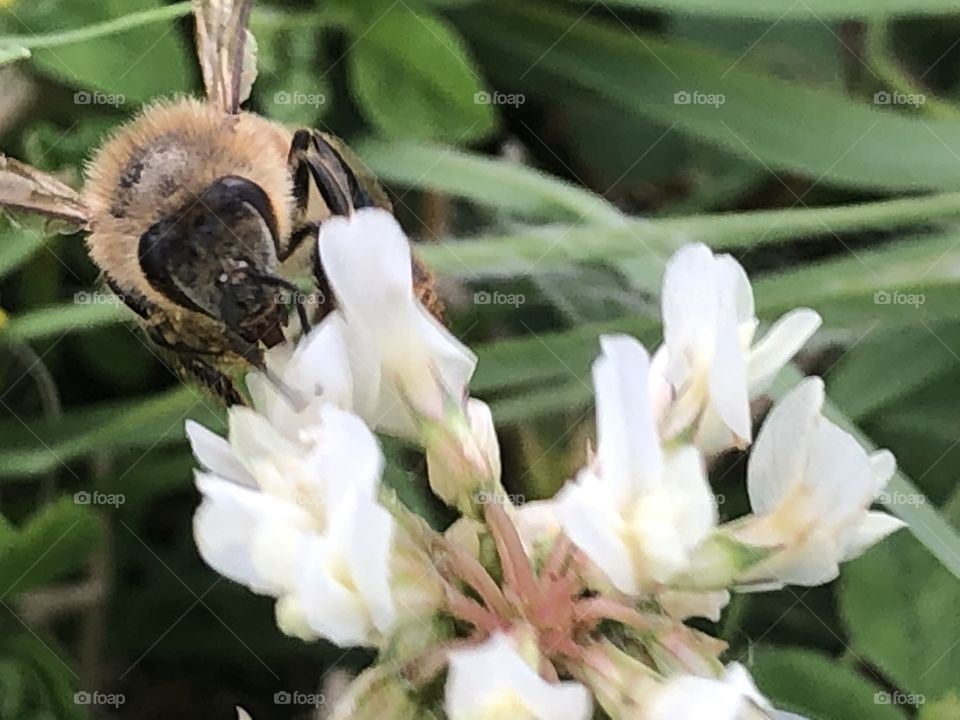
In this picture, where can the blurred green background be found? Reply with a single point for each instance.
(549, 156)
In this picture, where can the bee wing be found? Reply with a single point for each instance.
(227, 51)
(25, 188)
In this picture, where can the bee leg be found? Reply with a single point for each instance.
(189, 363)
(133, 300)
(310, 231)
(306, 164)
(209, 377)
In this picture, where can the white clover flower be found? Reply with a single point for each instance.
(300, 522)
(402, 361)
(636, 512)
(708, 358)
(733, 696)
(492, 681)
(811, 485)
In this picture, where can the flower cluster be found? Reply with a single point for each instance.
(553, 609)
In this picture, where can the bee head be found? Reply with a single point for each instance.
(217, 256)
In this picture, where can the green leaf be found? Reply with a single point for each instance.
(11, 52)
(99, 30)
(818, 686)
(913, 639)
(413, 77)
(38, 446)
(946, 708)
(862, 383)
(17, 245)
(809, 10)
(831, 138)
(636, 239)
(910, 282)
(58, 320)
(503, 185)
(121, 66)
(288, 86)
(54, 541)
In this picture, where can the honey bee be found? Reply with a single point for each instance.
(200, 214)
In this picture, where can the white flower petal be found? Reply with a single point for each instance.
(733, 283)
(736, 676)
(884, 466)
(839, 475)
(485, 432)
(728, 377)
(686, 697)
(325, 591)
(480, 678)
(368, 530)
(689, 300)
(345, 457)
(254, 440)
(778, 460)
(454, 361)
(399, 354)
(685, 478)
(628, 444)
(779, 345)
(591, 519)
(871, 530)
(321, 364)
(225, 524)
(214, 454)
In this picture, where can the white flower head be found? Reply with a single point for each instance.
(403, 362)
(636, 512)
(300, 522)
(708, 357)
(811, 485)
(492, 681)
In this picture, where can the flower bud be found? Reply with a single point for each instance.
(463, 456)
(379, 693)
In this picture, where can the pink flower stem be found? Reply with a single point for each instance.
(471, 611)
(559, 556)
(517, 573)
(470, 571)
(592, 610)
